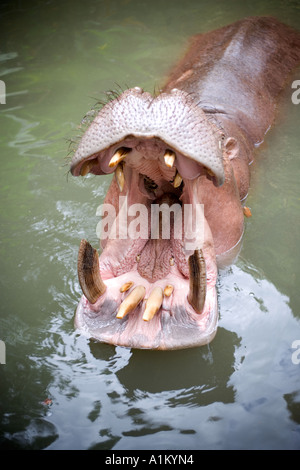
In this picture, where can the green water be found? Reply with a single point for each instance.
(242, 391)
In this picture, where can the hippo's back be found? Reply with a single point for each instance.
(239, 70)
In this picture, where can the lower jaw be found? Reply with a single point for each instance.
(175, 325)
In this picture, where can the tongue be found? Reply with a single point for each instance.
(157, 256)
(154, 263)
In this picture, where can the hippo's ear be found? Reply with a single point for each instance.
(231, 147)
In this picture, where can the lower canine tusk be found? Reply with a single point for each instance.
(131, 301)
(87, 166)
(197, 292)
(177, 180)
(153, 304)
(89, 272)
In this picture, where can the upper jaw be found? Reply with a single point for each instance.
(173, 118)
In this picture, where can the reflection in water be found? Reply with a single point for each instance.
(190, 373)
(293, 404)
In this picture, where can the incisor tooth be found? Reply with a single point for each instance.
(87, 166)
(168, 290)
(118, 156)
(125, 287)
(177, 180)
(153, 304)
(120, 176)
(169, 158)
(131, 301)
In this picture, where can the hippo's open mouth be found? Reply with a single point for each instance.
(154, 283)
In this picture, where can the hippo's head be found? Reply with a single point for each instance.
(151, 288)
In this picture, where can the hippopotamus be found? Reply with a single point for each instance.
(184, 152)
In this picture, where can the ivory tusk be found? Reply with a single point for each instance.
(153, 304)
(168, 290)
(197, 292)
(89, 272)
(131, 301)
(87, 166)
(120, 176)
(177, 180)
(169, 158)
(118, 156)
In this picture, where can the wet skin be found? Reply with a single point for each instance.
(188, 147)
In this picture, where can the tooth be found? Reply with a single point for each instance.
(125, 287)
(197, 292)
(211, 173)
(153, 304)
(120, 176)
(172, 261)
(89, 272)
(131, 301)
(177, 180)
(87, 166)
(169, 158)
(168, 290)
(118, 156)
